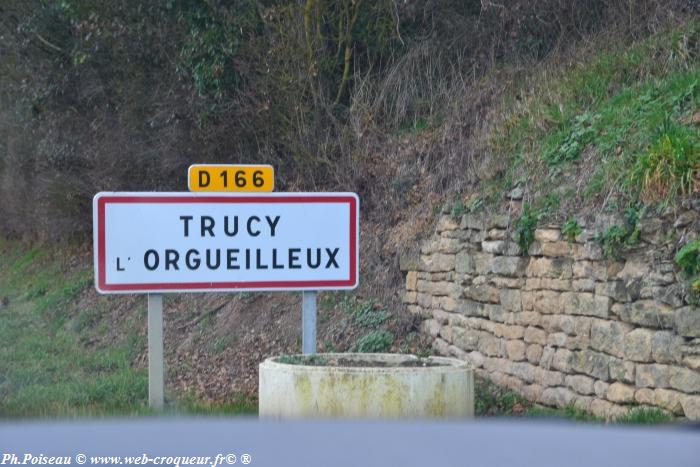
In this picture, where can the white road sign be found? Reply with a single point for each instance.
(189, 242)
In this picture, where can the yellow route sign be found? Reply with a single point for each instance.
(230, 177)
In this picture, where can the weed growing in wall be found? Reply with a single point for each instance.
(525, 228)
(688, 259)
(571, 229)
(457, 210)
(617, 238)
(475, 204)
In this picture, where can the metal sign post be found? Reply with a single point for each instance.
(308, 339)
(155, 351)
(156, 243)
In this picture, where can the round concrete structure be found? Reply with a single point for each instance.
(365, 386)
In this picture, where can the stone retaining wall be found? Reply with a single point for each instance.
(563, 325)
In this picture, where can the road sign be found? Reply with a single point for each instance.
(227, 177)
(190, 242)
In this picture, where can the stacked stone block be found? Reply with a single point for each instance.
(563, 325)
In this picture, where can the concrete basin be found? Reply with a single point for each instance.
(361, 385)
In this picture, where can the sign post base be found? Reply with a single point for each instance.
(155, 351)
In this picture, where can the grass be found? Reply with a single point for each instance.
(668, 168)
(190, 405)
(645, 416)
(493, 400)
(568, 413)
(48, 368)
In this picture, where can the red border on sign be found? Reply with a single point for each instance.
(195, 286)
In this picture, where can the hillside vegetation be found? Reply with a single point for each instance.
(577, 108)
(380, 97)
(618, 129)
